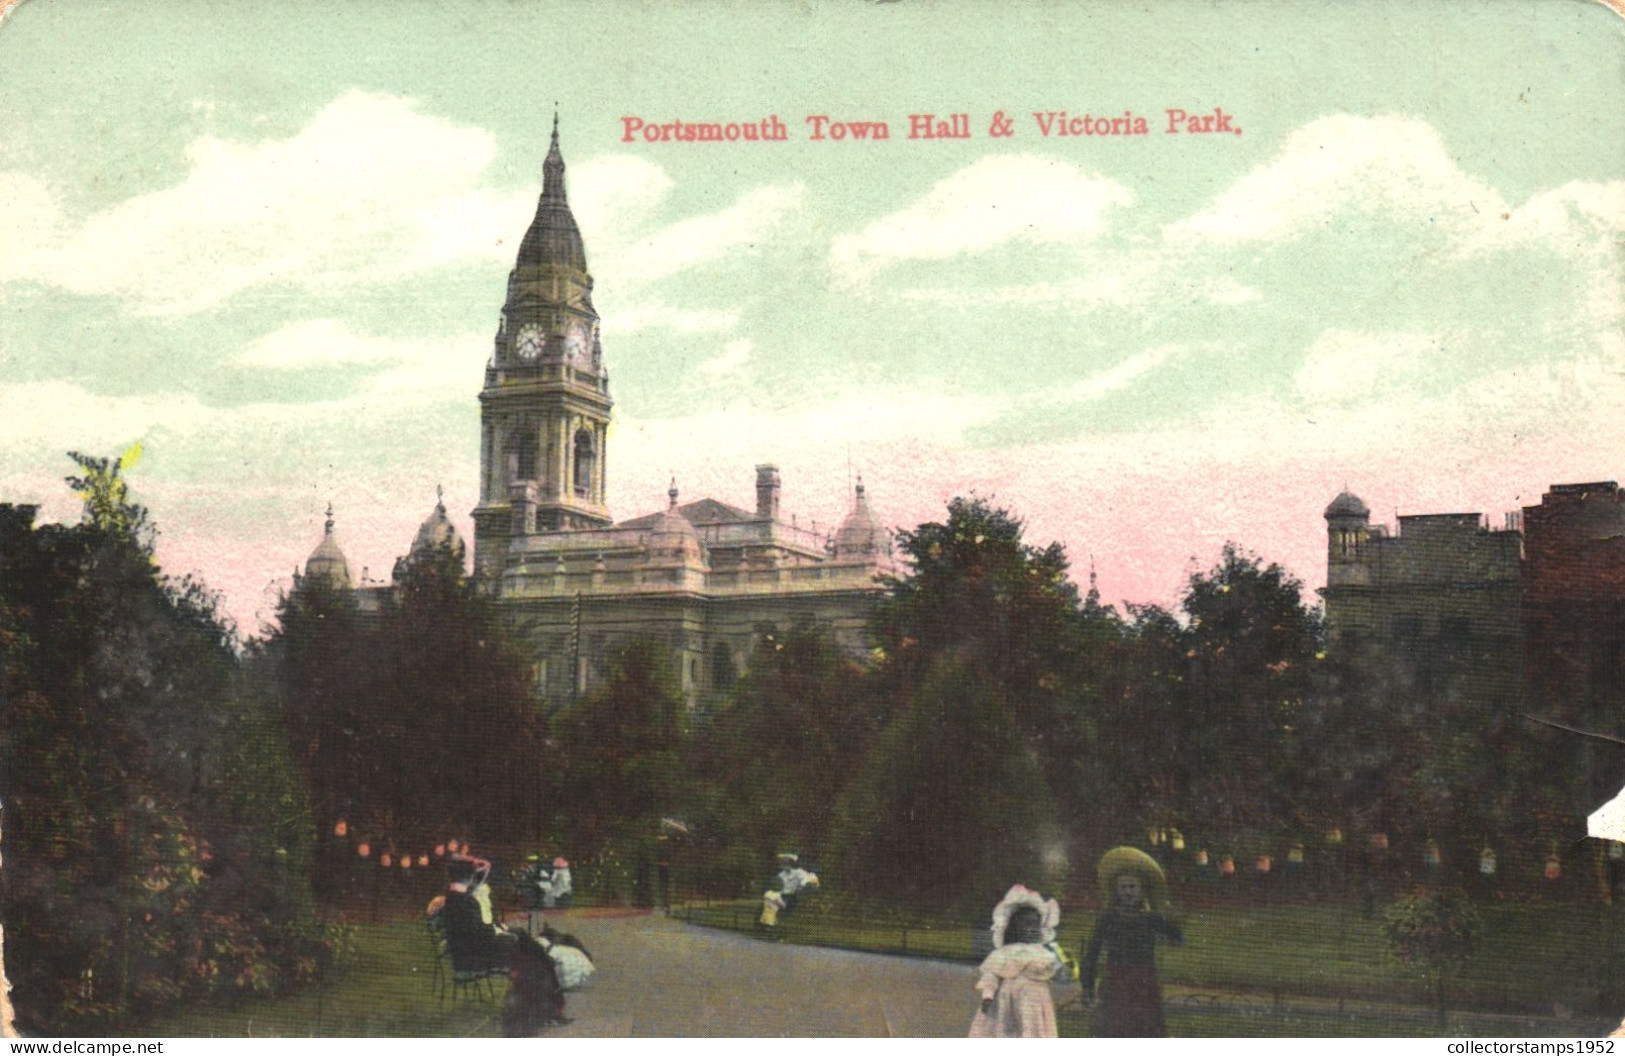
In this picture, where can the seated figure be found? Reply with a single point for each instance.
(474, 943)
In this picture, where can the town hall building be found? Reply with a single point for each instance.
(705, 579)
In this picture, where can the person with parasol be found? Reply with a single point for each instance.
(1135, 892)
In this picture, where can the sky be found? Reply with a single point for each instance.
(270, 243)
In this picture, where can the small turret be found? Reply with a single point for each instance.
(673, 542)
(860, 538)
(1348, 527)
(326, 565)
(437, 531)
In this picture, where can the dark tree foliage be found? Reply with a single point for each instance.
(139, 869)
(1008, 612)
(785, 742)
(1383, 755)
(1252, 646)
(415, 723)
(1141, 760)
(990, 667)
(953, 804)
(618, 767)
(619, 751)
(977, 591)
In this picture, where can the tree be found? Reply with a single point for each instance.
(106, 494)
(1434, 932)
(619, 755)
(407, 722)
(785, 742)
(977, 591)
(953, 804)
(137, 866)
(989, 675)
(1251, 646)
(1141, 762)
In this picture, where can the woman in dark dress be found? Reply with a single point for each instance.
(1129, 1004)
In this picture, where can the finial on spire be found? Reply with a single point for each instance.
(329, 518)
(859, 487)
(553, 167)
(440, 498)
(673, 492)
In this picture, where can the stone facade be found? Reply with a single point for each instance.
(1436, 604)
(705, 579)
(1531, 615)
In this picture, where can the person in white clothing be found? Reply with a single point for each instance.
(560, 890)
(1014, 979)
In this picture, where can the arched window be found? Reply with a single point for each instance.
(585, 462)
(519, 451)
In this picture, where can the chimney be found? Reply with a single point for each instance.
(767, 492)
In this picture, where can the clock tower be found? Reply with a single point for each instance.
(544, 410)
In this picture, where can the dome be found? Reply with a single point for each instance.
(859, 535)
(553, 237)
(673, 539)
(1347, 504)
(437, 531)
(326, 564)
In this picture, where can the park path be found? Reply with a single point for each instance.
(661, 978)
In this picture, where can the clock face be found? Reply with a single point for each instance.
(575, 344)
(530, 344)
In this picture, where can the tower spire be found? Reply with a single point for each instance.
(553, 167)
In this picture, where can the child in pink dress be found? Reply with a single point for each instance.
(1015, 977)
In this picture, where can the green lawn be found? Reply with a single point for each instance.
(1533, 960)
(1277, 972)
(384, 992)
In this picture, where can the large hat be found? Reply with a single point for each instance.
(1049, 913)
(1120, 860)
(560, 863)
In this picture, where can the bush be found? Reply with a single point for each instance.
(1433, 932)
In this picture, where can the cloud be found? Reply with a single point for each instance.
(616, 190)
(1122, 375)
(1223, 289)
(29, 220)
(370, 191)
(1580, 211)
(730, 362)
(310, 343)
(57, 416)
(341, 200)
(1336, 167)
(429, 370)
(1017, 197)
(664, 317)
(1344, 366)
(1370, 181)
(641, 256)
